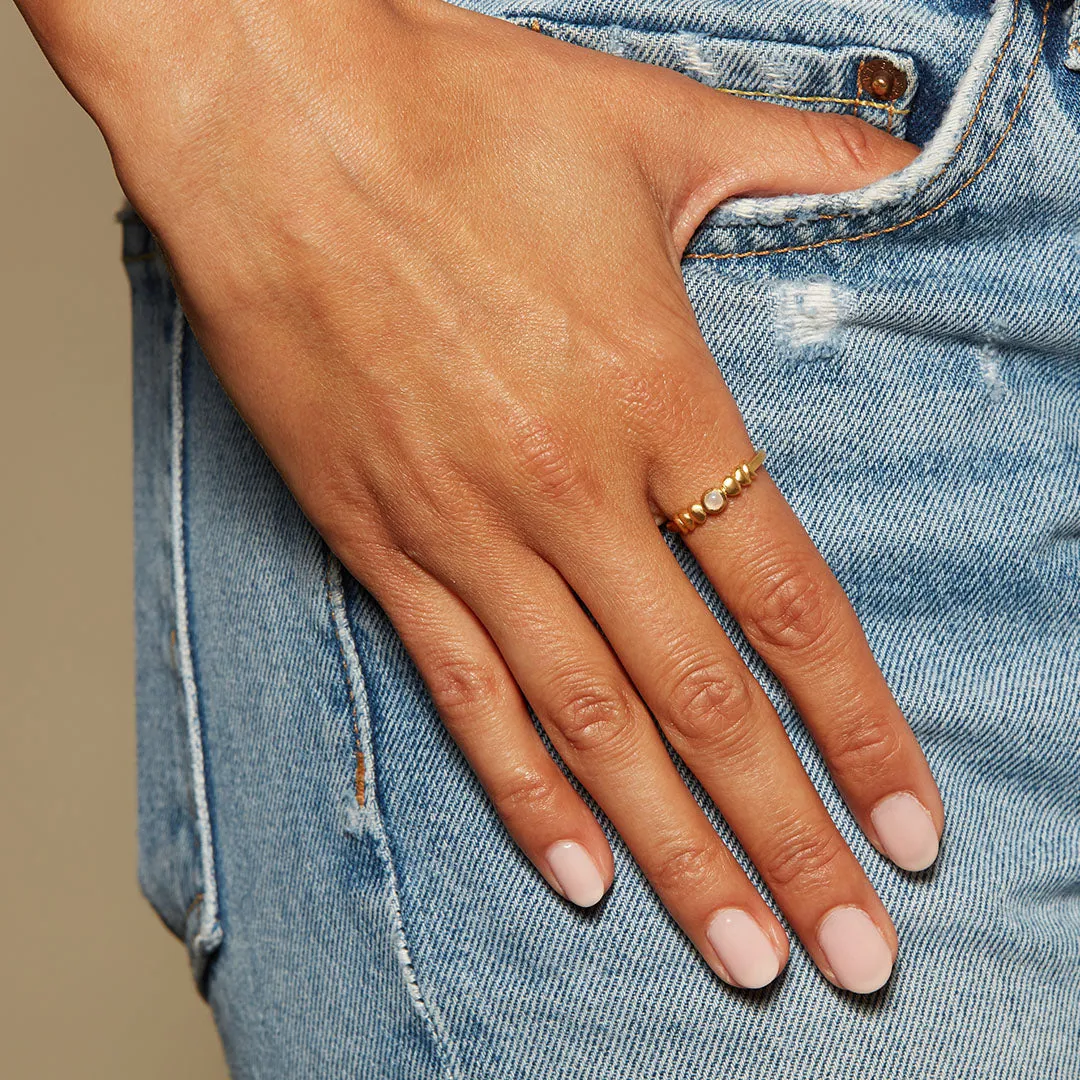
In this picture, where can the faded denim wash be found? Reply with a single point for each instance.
(910, 356)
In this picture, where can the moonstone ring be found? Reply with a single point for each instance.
(716, 498)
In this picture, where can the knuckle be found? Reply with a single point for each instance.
(421, 534)
(648, 403)
(525, 793)
(713, 704)
(594, 717)
(544, 455)
(689, 867)
(867, 746)
(464, 688)
(803, 854)
(848, 142)
(788, 609)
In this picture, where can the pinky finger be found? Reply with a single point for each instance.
(486, 715)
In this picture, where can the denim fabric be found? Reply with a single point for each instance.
(910, 356)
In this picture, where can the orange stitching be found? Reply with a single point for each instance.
(992, 76)
(948, 198)
(806, 97)
(858, 87)
(195, 901)
(971, 123)
(358, 780)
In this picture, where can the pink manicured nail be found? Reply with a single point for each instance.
(576, 873)
(906, 831)
(857, 953)
(744, 949)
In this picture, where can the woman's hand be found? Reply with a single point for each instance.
(434, 259)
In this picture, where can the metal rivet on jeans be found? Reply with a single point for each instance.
(882, 79)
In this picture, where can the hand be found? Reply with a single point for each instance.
(434, 259)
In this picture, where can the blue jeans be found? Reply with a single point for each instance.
(910, 355)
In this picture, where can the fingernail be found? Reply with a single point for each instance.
(906, 831)
(744, 949)
(576, 873)
(857, 953)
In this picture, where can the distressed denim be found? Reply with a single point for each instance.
(910, 356)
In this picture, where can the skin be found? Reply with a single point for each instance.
(391, 226)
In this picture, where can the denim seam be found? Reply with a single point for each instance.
(361, 784)
(859, 103)
(209, 934)
(1006, 42)
(715, 256)
(360, 709)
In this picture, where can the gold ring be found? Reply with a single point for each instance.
(715, 500)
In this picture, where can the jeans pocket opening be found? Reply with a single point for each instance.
(983, 110)
(365, 816)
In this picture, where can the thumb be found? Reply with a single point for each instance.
(758, 148)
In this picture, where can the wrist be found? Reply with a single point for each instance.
(125, 60)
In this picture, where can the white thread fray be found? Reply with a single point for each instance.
(694, 59)
(990, 369)
(807, 312)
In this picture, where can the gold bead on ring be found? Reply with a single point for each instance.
(714, 500)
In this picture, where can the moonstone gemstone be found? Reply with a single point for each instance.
(714, 500)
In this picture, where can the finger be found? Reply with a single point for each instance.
(796, 151)
(722, 724)
(603, 732)
(484, 712)
(796, 615)
(778, 150)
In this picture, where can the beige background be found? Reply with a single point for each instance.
(92, 984)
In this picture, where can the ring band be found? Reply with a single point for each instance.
(716, 498)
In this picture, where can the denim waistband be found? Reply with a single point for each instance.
(941, 36)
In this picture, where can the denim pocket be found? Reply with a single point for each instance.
(986, 106)
(176, 851)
